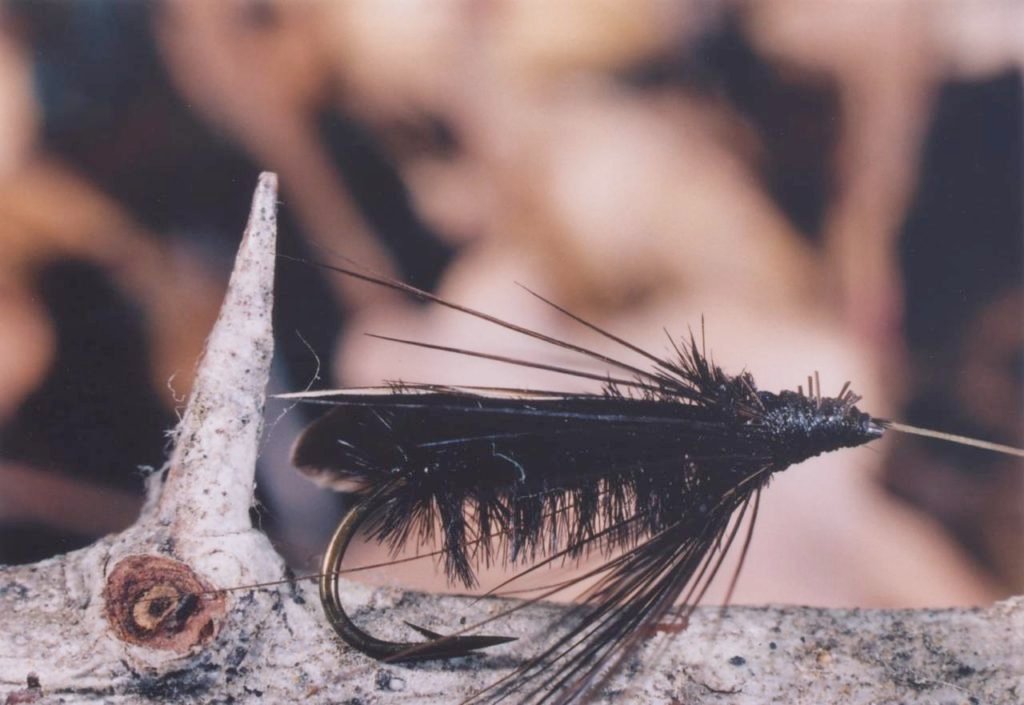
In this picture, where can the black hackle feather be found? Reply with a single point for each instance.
(652, 473)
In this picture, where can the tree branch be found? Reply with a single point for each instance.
(120, 621)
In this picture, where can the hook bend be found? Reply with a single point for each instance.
(437, 646)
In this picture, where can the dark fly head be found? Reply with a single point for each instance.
(802, 426)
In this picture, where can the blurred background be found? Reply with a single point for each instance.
(834, 187)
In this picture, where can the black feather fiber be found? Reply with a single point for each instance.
(654, 473)
(514, 465)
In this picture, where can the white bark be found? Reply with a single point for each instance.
(112, 622)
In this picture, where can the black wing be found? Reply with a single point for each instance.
(515, 468)
(503, 442)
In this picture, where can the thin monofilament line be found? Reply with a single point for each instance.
(953, 438)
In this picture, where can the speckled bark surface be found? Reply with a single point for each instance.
(119, 621)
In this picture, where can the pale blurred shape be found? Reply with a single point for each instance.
(19, 112)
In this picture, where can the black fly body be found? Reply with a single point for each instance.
(654, 473)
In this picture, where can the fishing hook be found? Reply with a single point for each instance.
(437, 646)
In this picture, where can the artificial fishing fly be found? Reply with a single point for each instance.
(654, 473)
